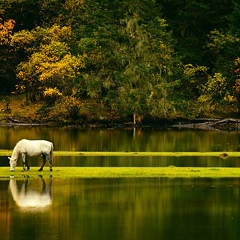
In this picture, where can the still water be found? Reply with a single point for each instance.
(129, 209)
(122, 209)
(77, 139)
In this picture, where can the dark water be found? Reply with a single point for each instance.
(127, 140)
(129, 209)
(124, 209)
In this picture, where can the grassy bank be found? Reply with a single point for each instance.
(136, 154)
(128, 172)
(124, 172)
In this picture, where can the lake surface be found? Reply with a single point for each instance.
(76, 139)
(122, 209)
(129, 209)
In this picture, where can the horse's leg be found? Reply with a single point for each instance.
(24, 159)
(26, 162)
(44, 162)
(50, 162)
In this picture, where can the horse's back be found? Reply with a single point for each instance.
(36, 147)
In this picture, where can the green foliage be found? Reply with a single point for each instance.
(224, 48)
(191, 22)
(223, 45)
(212, 94)
(136, 74)
(139, 57)
(150, 66)
(235, 19)
(215, 96)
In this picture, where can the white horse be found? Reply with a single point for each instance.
(31, 148)
(31, 198)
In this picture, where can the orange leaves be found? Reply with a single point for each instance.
(6, 30)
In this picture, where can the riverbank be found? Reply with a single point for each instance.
(124, 172)
(16, 112)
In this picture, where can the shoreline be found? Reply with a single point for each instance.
(229, 124)
(123, 172)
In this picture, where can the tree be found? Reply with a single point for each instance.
(122, 53)
(191, 21)
(7, 61)
(50, 63)
(237, 85)
(25, 15)
(234, 19)
(131, 59)
(147, 75)
(24, 12)
(225, 49)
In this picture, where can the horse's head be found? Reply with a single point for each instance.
(13, 163)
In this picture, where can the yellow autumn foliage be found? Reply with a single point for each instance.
(51, 95)
(73, 106)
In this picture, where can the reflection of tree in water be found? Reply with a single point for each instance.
(26, 197)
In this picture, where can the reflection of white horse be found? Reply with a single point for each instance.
(31, 148)
(30, 198)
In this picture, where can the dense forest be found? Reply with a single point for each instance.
(148, 59)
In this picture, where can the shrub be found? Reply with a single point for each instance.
(73, 106)
(51, 95)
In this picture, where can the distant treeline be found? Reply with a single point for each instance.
(154, 58)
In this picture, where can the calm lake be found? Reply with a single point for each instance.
(77, 139)
(128, 209)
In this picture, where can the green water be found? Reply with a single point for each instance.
(77, 139)
(129, 209)
(122, 209)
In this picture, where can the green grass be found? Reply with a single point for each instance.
(124, 172)
(137, 154)
(127, 172)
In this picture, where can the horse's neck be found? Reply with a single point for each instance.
(16, 151)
